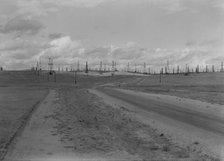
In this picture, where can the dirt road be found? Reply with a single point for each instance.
(189, 121)
(38, 142)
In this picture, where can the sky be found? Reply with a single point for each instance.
(126, 31)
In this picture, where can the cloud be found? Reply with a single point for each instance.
(77, 3)
(66, 52)
(173, 6)
(55, 36)
(62, 47)
(22, 25)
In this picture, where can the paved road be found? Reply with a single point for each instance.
(173, 111)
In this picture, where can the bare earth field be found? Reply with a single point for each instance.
(16, 104)
(77, 122)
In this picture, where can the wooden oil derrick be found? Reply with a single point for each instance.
(144, 68)
(166, 71)
(206, 69)
(161, 71)
(149, 70)
(115, 66)
(78, 66)
(50, 64)
(222, 69)
(186, 68)
(128, 68)
(197, 69)
(101, 66)
(178, 69)
(87, 69)
(167, 67)
(213, 68)
(51, 71)
(105, 67)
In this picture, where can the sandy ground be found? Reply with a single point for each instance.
(16, 106)
(73, 124)
(204, 141)
(36, 141)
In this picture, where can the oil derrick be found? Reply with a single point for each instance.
(213, 68)
(221, 70)
(128, 67)
(115, 66)
(149, 70)
(78, 66)
(167, 67)
(144, 68)
(37, 67)
(161, 71)
(166, 72)
(112, 68)
(51, 71)
(197, 69)
(101, 66)
(206, 69)
(105, 67)
(87, 70)
(178, 69)
(50, 65)
(40, 67)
